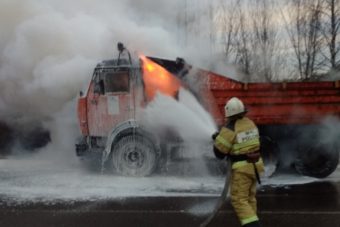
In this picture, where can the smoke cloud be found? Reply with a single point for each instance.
(48, 50)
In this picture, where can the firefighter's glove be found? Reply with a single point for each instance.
(214, 135)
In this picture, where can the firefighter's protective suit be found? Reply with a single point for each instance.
(240, 141)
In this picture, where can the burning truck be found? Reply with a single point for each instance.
(290, 115)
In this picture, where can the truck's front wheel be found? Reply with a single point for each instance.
(134, 155)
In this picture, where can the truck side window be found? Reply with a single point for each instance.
(117, 82)
(99, 87)
(98, 84)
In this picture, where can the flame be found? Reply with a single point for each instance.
(158, 79)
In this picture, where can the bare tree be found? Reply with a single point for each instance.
(303, 26)
(331, 30)
(265, 44)
(236, 36)
(250, 38)
(228, 24)
(243, 46)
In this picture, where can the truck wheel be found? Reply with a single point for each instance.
(134, 155)
(318, 161)
(269, 152)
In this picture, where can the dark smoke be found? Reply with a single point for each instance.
(29, 139)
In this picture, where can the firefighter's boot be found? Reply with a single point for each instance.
(252, 224)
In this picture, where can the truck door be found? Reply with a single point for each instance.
(110, 100)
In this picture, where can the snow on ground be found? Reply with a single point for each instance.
(287, 179)
(46, 180)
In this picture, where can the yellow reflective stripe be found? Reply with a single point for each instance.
(239, 146)
(249, 220)
(239, 164)
(243, 163)
(222, 144)
(223, 141)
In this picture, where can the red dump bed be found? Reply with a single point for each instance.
(278, 103)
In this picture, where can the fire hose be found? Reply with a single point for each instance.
(222, 199)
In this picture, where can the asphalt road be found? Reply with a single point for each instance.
(314, 204)
(35, 198)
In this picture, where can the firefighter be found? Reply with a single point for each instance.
(124, 56)
(239, 141)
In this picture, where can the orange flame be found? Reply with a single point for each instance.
(158, 79)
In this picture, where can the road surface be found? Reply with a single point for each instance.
(40, 193)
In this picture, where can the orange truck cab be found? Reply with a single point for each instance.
(108, 116)
(292, 117)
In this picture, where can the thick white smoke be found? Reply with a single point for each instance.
(48, 50)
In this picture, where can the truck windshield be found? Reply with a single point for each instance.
(116, 82)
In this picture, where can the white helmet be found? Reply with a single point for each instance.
(233, 107)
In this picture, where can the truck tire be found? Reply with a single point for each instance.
(269, 152)
(6, 139)
(317, 161)
(134, 155)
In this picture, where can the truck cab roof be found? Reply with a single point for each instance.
(114, 63)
